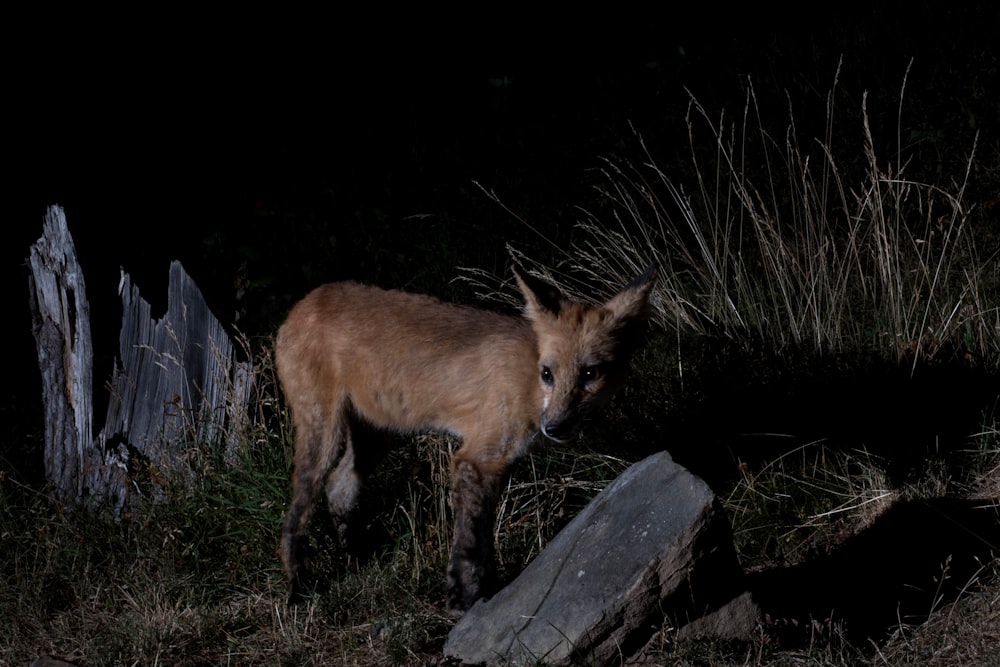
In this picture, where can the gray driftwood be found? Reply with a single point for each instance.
(60, 318)
(652, 550)
(176, 380)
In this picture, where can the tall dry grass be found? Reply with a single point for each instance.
(777, 238)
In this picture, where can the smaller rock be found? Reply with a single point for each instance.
(738, 619)
(47, 661)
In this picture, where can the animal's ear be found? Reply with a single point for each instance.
(631, 303)
(539, 296)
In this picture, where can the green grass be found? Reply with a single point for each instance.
(197, 579)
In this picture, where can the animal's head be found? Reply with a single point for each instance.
(583, 351)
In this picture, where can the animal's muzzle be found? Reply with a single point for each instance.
(563, 431)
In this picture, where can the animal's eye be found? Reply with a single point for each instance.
(547, 376)
(589, 373)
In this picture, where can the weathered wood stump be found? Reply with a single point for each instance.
(176, 380)
(60, 318)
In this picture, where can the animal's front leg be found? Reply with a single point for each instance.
(475, 488)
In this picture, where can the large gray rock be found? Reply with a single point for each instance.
(654, 547)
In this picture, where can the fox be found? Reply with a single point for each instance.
(352, 358)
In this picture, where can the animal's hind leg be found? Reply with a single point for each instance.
(343, 489)
(319, 445)
(364, 447)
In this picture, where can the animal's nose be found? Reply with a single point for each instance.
(559, 431)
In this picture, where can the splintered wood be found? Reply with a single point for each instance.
(177, 381)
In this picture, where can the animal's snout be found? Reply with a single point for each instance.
(560, 431)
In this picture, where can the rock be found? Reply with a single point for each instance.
(654, 547)
(737, 619)
(47, 661)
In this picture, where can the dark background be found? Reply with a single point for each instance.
(282, 151)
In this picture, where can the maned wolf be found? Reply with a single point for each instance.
(351, 356)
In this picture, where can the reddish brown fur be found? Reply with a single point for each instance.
(350, 354)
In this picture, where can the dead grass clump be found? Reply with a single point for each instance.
(782, 240)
